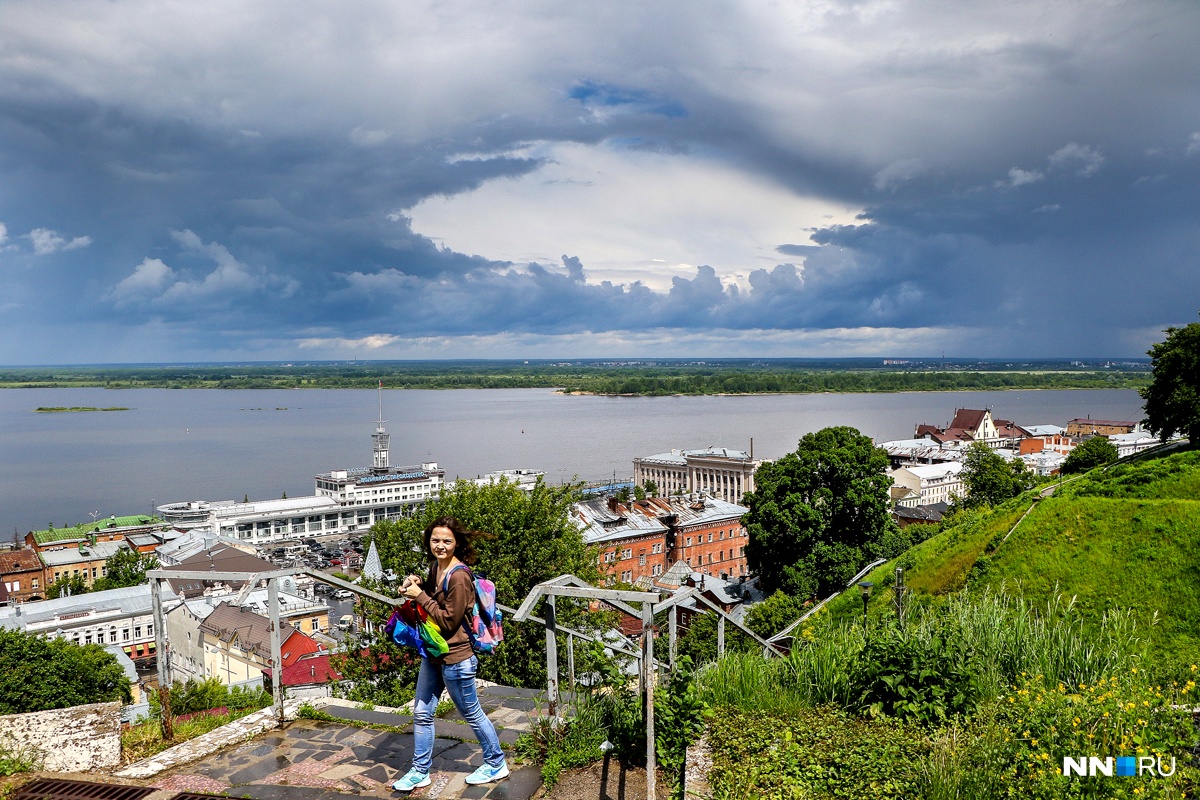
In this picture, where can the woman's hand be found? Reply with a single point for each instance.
(411, 587)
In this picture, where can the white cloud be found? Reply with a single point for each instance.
(628, 214)
(1193, 145)
(148, 279)
(46, 241)
(1086, 160)
(3, 232)
(1020, 177)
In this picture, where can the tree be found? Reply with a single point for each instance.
(1095, 452)
(66, 586)
(125, 568)
(774, 614)
(39, 674)
(651, 488)
(990, 478)
(817, 514)
(1173, 396)
(532, 540)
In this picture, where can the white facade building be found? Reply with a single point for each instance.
(116, 617)
(715, 471)
(935, 483)
(1129, 443)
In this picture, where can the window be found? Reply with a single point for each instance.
(125, 635)
(137, 632)
(35, 584)
(641, 561)
(710, 537)
(721, 534)
(627, 576)
(656, 569)
(721, 555)
(150, 629)
(689, 541)
(627, 553)
(112, 636)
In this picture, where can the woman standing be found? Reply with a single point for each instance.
(446, 595)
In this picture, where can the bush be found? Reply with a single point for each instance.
(39, 674)
(814, 753)
(925, 678)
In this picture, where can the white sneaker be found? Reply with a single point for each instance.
(486, 774)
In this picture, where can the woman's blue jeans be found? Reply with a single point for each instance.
(459, 680)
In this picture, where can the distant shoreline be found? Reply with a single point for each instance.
(65, 409)
(606, 379)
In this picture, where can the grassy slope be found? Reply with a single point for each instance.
(1126, 538)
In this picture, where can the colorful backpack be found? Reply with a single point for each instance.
(484, 621)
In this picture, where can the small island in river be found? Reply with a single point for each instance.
(61, 409)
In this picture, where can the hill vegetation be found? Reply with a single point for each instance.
(663, 377)
(1123, 538)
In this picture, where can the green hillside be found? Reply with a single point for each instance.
(1125, 538)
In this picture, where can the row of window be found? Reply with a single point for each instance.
(88, 637)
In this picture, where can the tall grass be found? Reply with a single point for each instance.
(1005, 638)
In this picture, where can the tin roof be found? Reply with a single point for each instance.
(81, 531)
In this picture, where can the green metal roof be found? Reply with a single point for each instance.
(81, 530)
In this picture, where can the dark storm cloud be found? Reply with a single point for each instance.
(1025, 170)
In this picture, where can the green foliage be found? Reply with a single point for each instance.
(68, 585)
(774, 614)
(989, 478)
(1095, 452)
(125, 568)
(817, 513)
(1173, 396)
(377, 670)
(192, 696)
(564, 744)
(39, 674)
(15, 758)
(1176, 476)
(813, 753)
(679, 719)
(733, 376)
(918, 678)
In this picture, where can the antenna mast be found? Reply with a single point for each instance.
(380, 439)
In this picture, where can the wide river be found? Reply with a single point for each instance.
(177, 445)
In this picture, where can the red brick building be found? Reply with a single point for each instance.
(640, 540)
(23, 575)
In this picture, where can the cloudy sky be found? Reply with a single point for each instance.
(185, 181)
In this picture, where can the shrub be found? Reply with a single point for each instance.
(926, 678)
(39, 673)
(817, 752)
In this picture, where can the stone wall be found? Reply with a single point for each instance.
(77, 739)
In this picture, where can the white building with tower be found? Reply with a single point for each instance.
(344, 501)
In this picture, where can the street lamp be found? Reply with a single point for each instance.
(865, 587)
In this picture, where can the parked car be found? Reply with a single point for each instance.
(346, 622)
(335, 561)
(343, 594)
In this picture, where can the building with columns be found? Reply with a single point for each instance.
(715, 471)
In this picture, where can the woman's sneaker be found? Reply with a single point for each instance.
(486, 774)
(414, 780)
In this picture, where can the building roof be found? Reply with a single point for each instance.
(267, 508)
(933, 472)
(218, 558)
(679, 457)
(605, 519)
(128, 601)
(24, 560)
(1113, 422)
(243, 628)
(81, 531)
(312, 669)
(1045, 430)
(968, 419)
(100, 551)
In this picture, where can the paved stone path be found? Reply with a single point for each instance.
(322, 760)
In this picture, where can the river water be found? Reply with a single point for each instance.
(178, 445)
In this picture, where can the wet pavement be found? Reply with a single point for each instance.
(323, 760)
